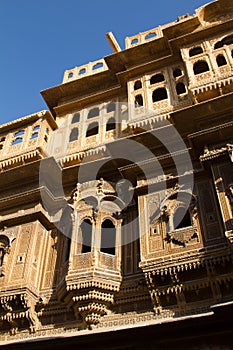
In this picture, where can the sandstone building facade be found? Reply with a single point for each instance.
(117, 202)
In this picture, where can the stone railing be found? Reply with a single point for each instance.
(107, 260)
(85, 70)
(141, 38)
(82, 261)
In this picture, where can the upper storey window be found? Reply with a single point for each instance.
(2, 140)
(108, 237)
(94, 112)
(73, 135)
(221, 61)
(111, 107)
(86, 236)
(228, 40)
(93, 129)
(177, 73)
(157, 78)
(18, 137)
(76, 118)
(200, 67)
(180, 89)
(159, 95)
(138, 101)
(181, 218)
(137, 85)
(195, 51)
(111, 124)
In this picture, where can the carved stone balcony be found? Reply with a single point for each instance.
(25, 140)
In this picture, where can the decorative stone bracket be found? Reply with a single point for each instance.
(16, 308)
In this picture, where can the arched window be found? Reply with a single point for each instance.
(18, 137)
(17, 141)
(200, 67)
(73, 135)
(221, 61)
(92, 129)
(76, 118)
(34, 135)
(228, 40)
(111, 124)
(137, 85)
(19, 133)
(195, 51)
(157, 78)
(138, 101)
(82, 71)
(181, 218)
(108, 237)
(86, 236)
(150, 36)
(36, 128)
(111, 107)
(134, 41)
(180, 89)
(177, 73)
(159, 95)
(94, 112)
(98, 66)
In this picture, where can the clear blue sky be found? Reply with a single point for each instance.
(41, 38)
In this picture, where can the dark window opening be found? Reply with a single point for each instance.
(138, 101)
(159, 95)
(2, 253)
(92, 129)
(111, 124)
(2, 139)
(180, 89)
(73, 135)
(94, 112)
(181, 218)
(177, 73)
(221, 61)
(228, 40)
(70, 75)
(195, 51)
(86, 236)
(108, 237)
(232, 53)
(36, 128)
(111, 107)
(157, 78)
(137, 85)
(76, 118)
(200, 67)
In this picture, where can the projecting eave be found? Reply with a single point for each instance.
(78, 89)
(29, 119)
(138, 55)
